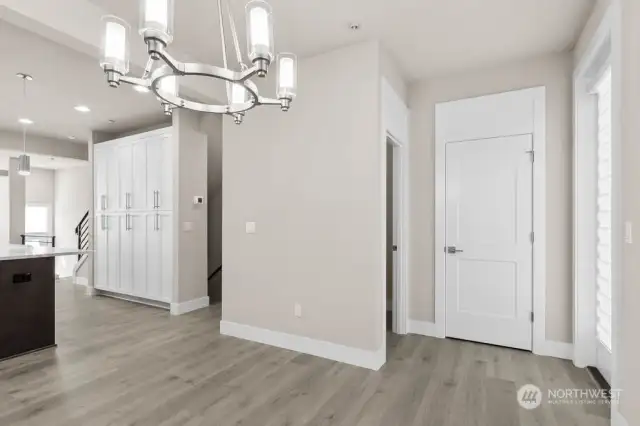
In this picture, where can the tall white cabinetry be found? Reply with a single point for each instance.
(133, 205)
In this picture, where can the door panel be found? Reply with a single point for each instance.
(124, 153)
(101, 254)
(112, 224)
(159, 257)
(489, 283)
(138, 198)
(159, 178)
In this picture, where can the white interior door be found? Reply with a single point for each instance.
(489, 201)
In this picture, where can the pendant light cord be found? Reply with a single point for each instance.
(24, 107)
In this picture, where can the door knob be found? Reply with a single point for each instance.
(453, 250)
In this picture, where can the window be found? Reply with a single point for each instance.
(36, 219)
(603, 91)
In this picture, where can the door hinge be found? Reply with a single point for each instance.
(532, 316)
(532, 153)
(532, 237)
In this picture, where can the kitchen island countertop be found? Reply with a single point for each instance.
(15, 251)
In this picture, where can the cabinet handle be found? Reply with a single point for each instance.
(106, 202)
(157, 224)
(158, 199)
(102, 202)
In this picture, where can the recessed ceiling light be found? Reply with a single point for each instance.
(112, 121)
(71, 137)
(354, 26)
(141, 89)
(82, 108)
(25, 121)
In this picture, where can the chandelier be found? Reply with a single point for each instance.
(162, 71)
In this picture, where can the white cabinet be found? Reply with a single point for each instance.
(106, 178)
(133, 236)
(159, 173)
(160, 256)
(107, 252)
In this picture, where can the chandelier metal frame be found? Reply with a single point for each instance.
(173, 68)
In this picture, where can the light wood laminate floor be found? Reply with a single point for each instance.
(118, 363)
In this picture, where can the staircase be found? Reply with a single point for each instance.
(82, 233)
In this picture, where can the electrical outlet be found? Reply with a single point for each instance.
(250, 227)
(297, 310)
(628, 232)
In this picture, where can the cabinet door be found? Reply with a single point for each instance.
(101, 254)
(138, 197)
(159, 173)
(112, 171)
(105, 177)
(125, 255)
(112, 223)
(124, 155)
(159, 257)
(138, 258)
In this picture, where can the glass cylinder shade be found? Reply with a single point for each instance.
(156, 19)
(169, 85)
(24, 165)
(115, 45)
(238, 94)
(259, 30)
(287, 76)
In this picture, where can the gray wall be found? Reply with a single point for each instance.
(17, 200)
(312, 180)
(190, 179)
(555, 73)
(12, 141)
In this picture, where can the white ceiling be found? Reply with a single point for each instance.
(425, 37)
(63, 78)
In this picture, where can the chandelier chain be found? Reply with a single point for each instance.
(234, 34)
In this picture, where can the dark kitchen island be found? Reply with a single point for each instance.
(27, 298)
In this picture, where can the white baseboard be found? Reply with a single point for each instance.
(424, 328)
(81, 281)
(189, 306)
(561, 350)
(617, 419)
(372, 360)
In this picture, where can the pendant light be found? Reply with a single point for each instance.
(24, 161)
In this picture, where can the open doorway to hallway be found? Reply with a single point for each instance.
(392, 231)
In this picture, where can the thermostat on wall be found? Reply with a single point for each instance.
(198, 199)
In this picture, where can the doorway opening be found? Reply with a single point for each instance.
(490, 219)
(393, 229)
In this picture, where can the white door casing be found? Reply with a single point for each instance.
(489, 220)
(511, 115)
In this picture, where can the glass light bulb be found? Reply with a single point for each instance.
(115, 45)
(260, 30)
(238, 94)
(169, 85)
(156, 19)
(287, 76)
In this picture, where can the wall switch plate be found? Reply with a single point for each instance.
(187, 226)
(297, 310)
(250, 227)
(198, 199)
(628, 232)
